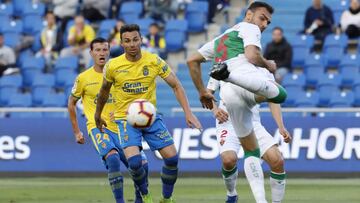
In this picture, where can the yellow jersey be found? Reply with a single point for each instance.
(134, 80)
(87, 86)
(86, 36)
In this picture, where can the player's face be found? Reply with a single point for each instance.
(131, 41)
(100, 53)
(261, 17)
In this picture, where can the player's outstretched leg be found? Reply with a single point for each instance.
(251, 81)
(115, 176)
(168, 177)
(229, 174)
(277, 175)
(139, 176)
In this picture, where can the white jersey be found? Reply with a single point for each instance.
(230, 46)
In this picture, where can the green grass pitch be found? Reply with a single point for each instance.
(188, 190)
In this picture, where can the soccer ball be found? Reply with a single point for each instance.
(141, 113)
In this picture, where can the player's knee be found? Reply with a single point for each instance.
(113, 162)
(277, 164)
(135, 162)
(172, 161)
(229, 162)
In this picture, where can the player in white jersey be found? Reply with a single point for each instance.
(229, 146)
(236, 54)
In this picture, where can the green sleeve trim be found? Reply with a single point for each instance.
(75, 96)
(281, 97)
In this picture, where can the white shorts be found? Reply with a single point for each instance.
(228, 140)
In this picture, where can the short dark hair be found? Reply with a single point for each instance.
(278, 28)
(97, 40)
(129, 28)
(260, 4)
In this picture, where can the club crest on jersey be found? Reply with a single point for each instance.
(103, 145)
(145, 71)
(126, 137)
(222, 142)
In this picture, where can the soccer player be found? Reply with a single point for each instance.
(229, 146)
(238, 61)
(133, 76)
(107, 143)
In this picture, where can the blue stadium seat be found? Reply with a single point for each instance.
(299, 55)
(105, 27)
(312, 76)
(293, 93)
(176, 25)
(34, 9)
(325, 94)
(12, 39)
(20, 100)
(343, 99)
(130, 11)
(356, 91)
(32, 24)
(333, 40)
(297, 80)
(309, 99)
(63, 77)
(6, 9)
(13, 26)
(36, 46)
(315, 60)
(9, 85)
(349, 75)
(19, 6)
(144, 25)
(196, 15)
(55, 115)
(349, 60)
(54, 100)
(31, 67)
(23, 55)
(330, 80)
(301, 40)
(41, 86)
(334, 56)
(175, 41)
(69, 62)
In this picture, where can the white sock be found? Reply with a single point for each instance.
(230, 181)
(277, 183)
(261, 86)
(255, 177)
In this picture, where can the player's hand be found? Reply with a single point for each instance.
(193, 122)
(100, 123)
(206, 99)
(286, 135)
(221, 115)
(271, 66)
(79, 138)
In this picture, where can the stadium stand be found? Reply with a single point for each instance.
(309, 84)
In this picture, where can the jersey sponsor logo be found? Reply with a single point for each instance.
(110, 100)
(134, 88)
(121, 71)
(14, 147)
(145, 71)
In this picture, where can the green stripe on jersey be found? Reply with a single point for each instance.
(228, 46)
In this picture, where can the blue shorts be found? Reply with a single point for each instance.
(105, 142)
(157, 135)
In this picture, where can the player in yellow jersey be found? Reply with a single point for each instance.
(107, 143)
(133, 75)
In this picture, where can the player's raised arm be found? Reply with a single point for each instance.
(179, 92)
(277, 115)
(194, 64)
(101, 101)
(74, 122)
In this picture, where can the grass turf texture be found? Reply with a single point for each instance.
(188, 190)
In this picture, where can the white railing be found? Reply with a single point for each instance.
(301, 110)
